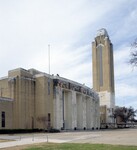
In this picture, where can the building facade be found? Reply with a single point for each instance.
(103, 74)
(32, 99)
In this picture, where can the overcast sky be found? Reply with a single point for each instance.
(69, 26)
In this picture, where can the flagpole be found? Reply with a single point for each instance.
(49, 57)
(48, 88)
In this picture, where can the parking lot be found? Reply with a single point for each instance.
(126, 136)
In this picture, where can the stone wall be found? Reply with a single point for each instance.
(6, 107)
(32, 99)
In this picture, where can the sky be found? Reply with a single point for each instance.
(27, 27)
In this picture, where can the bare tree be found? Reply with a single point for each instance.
(124, 114)
(133, 54)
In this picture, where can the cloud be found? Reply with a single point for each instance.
(121, 61)
(27, 27)
(125, 78)
(125, 90)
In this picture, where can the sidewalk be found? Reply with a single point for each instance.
(126, 136)
(25, 141)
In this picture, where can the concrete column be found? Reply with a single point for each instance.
(88, 113)
(74, 110)
(97, 115)
(68, 109)
(92, 113)
(84, 112)
(58, 108)
(79, 111)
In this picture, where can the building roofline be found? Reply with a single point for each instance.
(6, 99)
(71, 81)
(3, 78)
(18, 69)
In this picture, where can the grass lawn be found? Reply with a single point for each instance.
(70, 146)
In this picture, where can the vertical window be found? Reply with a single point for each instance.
(49, 117)
(3, 119)
(111, 69)
(100, 60)
(48, 86)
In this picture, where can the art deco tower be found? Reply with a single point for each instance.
(103, 68)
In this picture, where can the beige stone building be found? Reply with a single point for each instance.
(103, 74)
(32, 99)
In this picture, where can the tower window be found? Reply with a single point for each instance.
(100, 61)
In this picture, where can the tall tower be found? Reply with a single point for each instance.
(103, 69)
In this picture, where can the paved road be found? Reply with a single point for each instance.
(116, 137)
